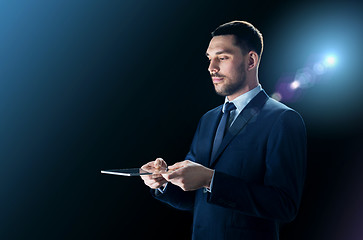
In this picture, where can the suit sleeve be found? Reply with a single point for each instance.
(175, 196)
(278, 197)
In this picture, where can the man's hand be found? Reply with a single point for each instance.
(189, 175)
(154, 181)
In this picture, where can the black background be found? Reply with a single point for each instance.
(91, 85)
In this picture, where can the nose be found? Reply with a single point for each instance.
(213, 66)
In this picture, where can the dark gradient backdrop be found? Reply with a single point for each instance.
(87, 85)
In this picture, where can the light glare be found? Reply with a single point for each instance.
(330, 61)
(277, 96)
(295, 84)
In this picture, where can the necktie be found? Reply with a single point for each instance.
(221, 128)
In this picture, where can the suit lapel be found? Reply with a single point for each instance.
(208, 138)
(252, 108)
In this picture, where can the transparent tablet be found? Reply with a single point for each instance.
(135, 171)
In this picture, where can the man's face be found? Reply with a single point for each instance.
(227, 66)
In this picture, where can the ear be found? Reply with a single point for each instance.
(252, 60)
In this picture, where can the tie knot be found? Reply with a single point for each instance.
(229, 107)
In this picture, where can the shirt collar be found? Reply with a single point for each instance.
(241, 101)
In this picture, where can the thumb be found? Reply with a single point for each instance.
(159, 162)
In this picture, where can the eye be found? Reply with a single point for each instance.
(222, 58)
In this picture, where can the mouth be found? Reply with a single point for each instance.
(217, 79)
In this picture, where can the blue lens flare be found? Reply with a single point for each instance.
(288, 87)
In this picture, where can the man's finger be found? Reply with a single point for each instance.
(172, 174)
(159, 162)
(148, 166)
(178, 165)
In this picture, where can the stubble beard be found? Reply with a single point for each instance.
(229, 88)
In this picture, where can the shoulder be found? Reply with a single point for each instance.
(274, 107)
(278, 112)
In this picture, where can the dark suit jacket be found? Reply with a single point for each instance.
(259, 173)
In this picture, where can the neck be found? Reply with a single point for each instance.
(247, 88)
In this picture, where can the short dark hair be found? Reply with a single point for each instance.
(248, 38)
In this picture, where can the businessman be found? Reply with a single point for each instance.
(245, 170)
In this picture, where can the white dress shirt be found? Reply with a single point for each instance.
(240, 102)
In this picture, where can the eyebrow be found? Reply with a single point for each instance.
(221, 52)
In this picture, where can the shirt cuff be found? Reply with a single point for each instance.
(209, 189)
(162, 188)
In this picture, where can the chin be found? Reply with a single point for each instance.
(220, 93)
